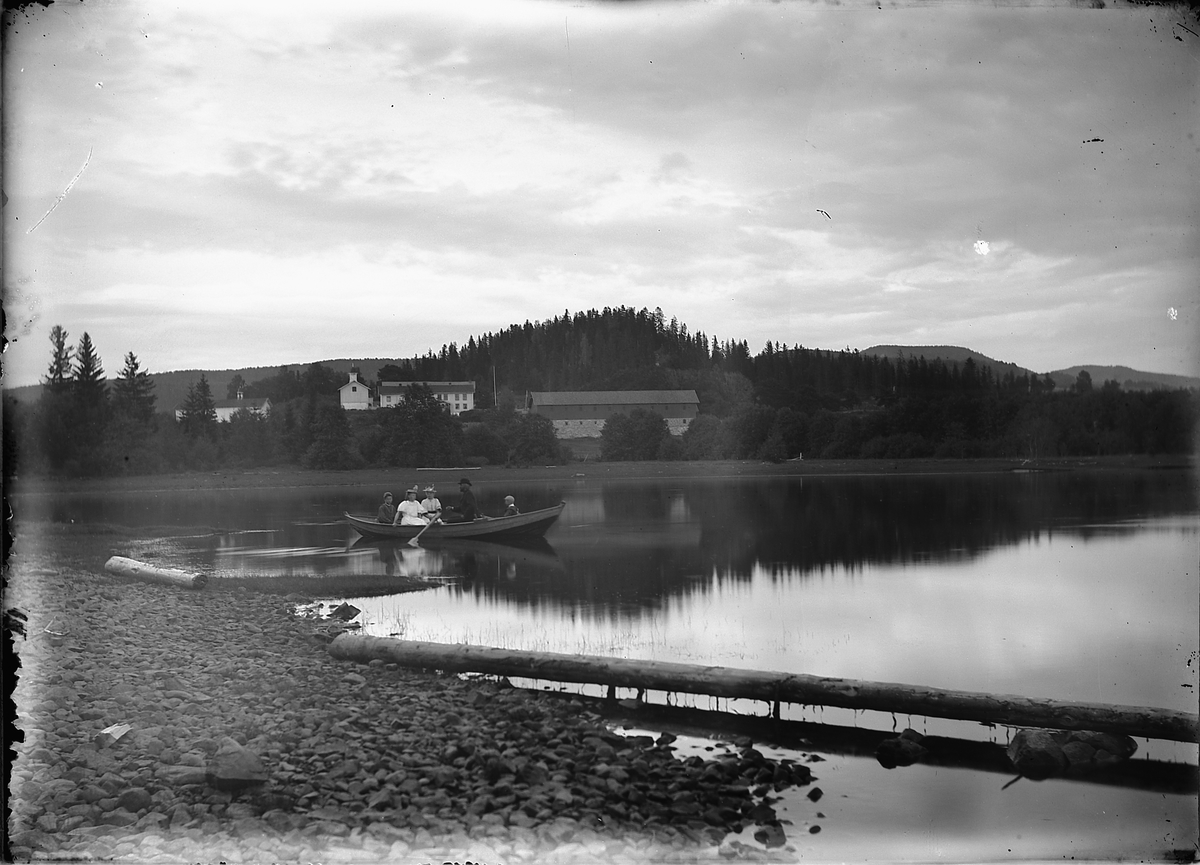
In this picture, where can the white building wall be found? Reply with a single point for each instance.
(579, 429)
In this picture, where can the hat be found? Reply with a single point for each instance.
(466, 481)
(413, 490)
(385, 495)
(508, 499)
(431, 489)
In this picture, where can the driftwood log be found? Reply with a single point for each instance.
(171, 576)
(775, 688)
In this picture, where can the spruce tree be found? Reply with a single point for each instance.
(133, 392)
(199, 411)
(58, 377)
(89, 384)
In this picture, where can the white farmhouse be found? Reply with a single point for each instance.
(457, 396)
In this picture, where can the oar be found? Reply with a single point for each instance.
(413, 541)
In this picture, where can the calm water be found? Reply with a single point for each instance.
(1071, 586)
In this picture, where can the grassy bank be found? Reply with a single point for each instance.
(445, 478)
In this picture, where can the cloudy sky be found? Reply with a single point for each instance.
(257, 184)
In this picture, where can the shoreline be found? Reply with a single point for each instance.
(290, 476)
(362, 762)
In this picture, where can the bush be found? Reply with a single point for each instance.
(671, 449)
(636, 436)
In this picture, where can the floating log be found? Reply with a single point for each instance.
(774, 687)
(171, 576)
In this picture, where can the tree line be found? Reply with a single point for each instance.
(82, 425)
(781, 403)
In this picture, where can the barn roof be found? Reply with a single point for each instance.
(614, 397)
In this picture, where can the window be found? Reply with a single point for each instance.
(353, 389)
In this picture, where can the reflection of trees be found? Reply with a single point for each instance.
(846, 521)
(659, 542)
(606, 579)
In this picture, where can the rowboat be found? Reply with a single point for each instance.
(532, 524)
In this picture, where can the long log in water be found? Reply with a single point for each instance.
(171, 576)
(773, 687)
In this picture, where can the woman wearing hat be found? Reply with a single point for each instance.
(409, 512)
(431, 503)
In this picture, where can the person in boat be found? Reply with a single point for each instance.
(431, 504)
(510, 507)
(468, 508)
(387, 511)
(409, 512)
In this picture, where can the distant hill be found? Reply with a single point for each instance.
(1129, 379)
(949, 353)
(171, 387)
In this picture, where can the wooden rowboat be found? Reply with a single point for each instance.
(532, 524)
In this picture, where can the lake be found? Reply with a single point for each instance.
(1066, 585)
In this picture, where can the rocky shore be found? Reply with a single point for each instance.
(247, 742)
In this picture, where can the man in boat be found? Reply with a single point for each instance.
(468, 508)
(510, 507)
(409, 512)
(387, 511)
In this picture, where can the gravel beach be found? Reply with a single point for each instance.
(356, 762)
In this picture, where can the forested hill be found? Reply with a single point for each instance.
(949, 354)
(781, 403)
(623, 348)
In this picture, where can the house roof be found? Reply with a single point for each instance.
(614, 397)
(396, 387)
(250, 402)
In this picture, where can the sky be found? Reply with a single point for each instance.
(219, 185)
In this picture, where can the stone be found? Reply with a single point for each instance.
(235, 767)
(135, 800)
(903, 750)
(345, 612)
(1036, 754)
(1079, 754)
(771, 836)
(120, 817)
(178, 776)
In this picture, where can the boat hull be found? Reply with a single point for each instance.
(532, 524)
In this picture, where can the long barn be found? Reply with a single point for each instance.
(582, 413)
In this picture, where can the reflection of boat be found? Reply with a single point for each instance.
(532, 524)
(523, 551)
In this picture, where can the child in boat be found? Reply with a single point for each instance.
(431, 504)
(410, 512)
(387, 511)
(510, 507)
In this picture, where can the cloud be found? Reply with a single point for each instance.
(597, 155)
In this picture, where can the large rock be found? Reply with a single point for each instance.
(234, 767)
(1037, 754)
(1041, 754)
(903, 750)
(178, 776)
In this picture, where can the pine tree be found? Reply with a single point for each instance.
(133, 392)
(88, 380)
(199, 410)
(58, 377)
